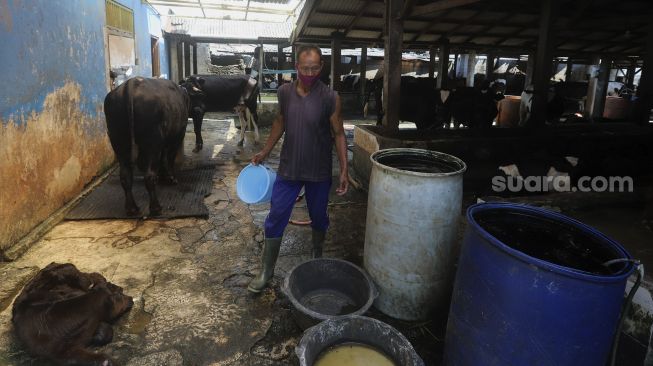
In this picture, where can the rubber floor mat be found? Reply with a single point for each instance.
(186, 199)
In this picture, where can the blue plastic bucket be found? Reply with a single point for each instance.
(254, 184)
(533, 288)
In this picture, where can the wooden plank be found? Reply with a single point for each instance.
(543, 59)
(392, 64)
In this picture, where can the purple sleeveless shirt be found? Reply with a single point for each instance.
(307, 143)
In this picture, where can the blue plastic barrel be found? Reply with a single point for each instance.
(531, 289)
(254, 184)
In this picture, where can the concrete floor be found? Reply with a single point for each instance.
(188, 277)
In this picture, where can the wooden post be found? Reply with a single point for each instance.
(644, 102)
(194, 58)
(261, 61)
(630, 74)
(570, 67)
(543, 59)
(530, 70)
(489, 66)
(281, 61)
(392, 67)
(443, 68)
(363, 70)
(431, 62)
(336, 48)
(601, 88)
(180, 60)
(591, 84)
(471, 68)
(187, 64)
(293, 60)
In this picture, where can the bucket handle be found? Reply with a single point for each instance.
(627, 303)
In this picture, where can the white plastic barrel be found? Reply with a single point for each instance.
(413, 211)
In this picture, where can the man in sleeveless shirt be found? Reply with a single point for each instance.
(310, 122)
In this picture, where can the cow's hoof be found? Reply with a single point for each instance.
(133, 211)
(155, 211)
(198, 147)
(240, 143)
(169, 180)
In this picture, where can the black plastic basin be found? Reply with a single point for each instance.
(325, 288)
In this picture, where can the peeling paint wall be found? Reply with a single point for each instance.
(53, 73)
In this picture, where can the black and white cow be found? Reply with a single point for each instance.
(150, 116)
(222, 93)
(429, 107)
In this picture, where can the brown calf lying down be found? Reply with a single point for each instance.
(62, 311)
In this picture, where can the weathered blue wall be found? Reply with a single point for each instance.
(44, 44)
(53, 72)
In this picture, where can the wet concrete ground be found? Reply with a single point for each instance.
(188, 277)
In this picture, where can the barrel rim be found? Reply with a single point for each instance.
(285, 288)
(342, 321)
(436, 154)
(567, 271)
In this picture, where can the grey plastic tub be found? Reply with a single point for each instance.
(324, 288)
(360, 329)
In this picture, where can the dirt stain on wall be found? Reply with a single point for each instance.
(47, 160)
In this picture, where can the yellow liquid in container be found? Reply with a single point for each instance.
(353, 354)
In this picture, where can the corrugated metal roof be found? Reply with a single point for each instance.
(227, 29)
(483, 25)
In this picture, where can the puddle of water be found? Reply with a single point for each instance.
(329, 302)
(138, 322)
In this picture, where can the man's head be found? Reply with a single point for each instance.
(309, 64)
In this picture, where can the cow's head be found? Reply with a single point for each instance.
(194, 87)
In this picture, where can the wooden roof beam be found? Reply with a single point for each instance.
(441, 5)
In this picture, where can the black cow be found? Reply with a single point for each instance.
(474, 107)
(151, 115)
(222, 93)
(429, 107)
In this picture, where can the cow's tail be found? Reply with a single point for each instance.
(252, 101)
(133, 150)
(370, 86)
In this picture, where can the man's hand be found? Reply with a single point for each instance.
(344, 184)
(259, 157)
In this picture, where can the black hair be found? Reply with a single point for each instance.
(307, 48)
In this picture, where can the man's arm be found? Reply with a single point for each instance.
(341, 147)
(275, 134)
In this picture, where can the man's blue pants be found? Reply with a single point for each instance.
(284, 195)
